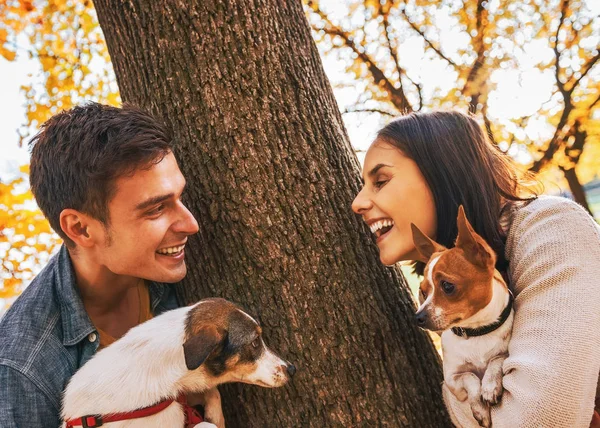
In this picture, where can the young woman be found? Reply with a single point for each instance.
(419, 169)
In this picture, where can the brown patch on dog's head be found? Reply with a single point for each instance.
(474, 247)
(457, 282)
(425, 246)
(199, 346)
(227, 343)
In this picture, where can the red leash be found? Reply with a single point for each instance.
(192, 417)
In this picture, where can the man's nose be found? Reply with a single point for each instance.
(186, 223)
(361, 203)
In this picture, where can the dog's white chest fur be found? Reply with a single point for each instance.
(474, 353)
(473, 365)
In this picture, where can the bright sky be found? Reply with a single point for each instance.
(526, 94)
(12, 112)
(519, 93)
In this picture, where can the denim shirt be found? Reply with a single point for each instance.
(44, 338)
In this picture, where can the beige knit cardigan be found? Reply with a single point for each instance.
(551, 374)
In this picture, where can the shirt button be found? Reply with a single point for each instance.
(92, 337)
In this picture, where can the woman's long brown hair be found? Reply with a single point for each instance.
(461, 167)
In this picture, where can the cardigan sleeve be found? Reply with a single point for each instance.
(551, 373)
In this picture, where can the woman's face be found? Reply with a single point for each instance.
(395, 194)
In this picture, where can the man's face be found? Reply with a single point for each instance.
(149, 224)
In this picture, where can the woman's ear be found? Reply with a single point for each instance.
(425, 246)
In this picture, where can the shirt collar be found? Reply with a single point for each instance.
(76, 323)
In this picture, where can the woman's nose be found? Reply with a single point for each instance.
(361, 203)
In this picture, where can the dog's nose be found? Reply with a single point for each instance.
(291, 369)
(421, 318)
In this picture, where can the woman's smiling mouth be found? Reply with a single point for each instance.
(381, 228)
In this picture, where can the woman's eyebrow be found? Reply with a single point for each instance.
(377, 168)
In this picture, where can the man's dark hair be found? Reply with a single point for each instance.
(78, 155)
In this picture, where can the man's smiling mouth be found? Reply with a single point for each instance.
(171, 251)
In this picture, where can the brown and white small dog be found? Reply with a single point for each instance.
(186, 350)
(463, 295)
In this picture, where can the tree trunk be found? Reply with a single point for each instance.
(577, 188)
(271, 177)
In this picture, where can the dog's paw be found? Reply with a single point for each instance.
(481, 413)
(460, 393)
(491, 391)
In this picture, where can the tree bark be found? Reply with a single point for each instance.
(271, 176)
(576, 188)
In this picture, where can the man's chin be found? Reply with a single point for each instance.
(169, 276)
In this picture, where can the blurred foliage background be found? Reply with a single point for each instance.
(528, 69)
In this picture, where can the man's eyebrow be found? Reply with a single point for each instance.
(153, 201)
(377, 168)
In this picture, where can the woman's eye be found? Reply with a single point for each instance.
(380, 183)
(448, 287)
(423, 294)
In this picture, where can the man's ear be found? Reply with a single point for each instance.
(425, 246)
(198, 347)
(77, 226)
(474, 246)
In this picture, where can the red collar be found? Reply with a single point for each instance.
(192, 417)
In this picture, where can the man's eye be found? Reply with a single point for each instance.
(159, 209)
(256, 343)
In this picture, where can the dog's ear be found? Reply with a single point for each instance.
(198, 347)
(425, 246)
(474, 246)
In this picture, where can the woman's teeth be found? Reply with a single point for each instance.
(171, 250)
(382, 226)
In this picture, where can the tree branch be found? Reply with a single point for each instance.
(397, 96)
(475, 85)
(394, 53)
(386, 30)
(559, 83)
(369, 110)
(427, 41)
(555, 142)
(594, 103)
(586, 68)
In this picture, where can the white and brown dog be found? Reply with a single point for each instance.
(463, 295)
(142, 377)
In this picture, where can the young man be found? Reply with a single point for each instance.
(109, 184)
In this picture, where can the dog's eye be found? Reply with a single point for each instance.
(448, 287)
(256, 343)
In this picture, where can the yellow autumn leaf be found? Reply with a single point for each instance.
(7, 54)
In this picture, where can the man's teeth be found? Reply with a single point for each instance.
(381, 224)
(171, 250)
